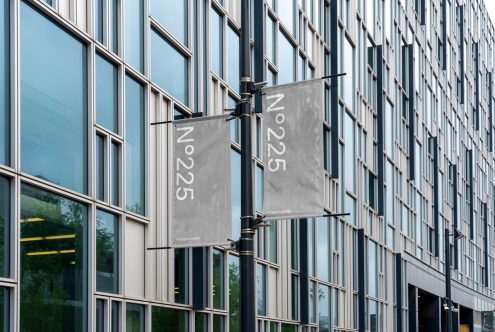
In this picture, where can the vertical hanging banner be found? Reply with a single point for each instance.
(200, 182)
(293, 150)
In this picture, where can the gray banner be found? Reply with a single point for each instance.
(293, 150)
(200, 182)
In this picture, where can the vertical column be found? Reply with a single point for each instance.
(361, 280)
(456, 215)
(477, 86)
(462, 53)
(398, 291)
(334, 100)
(304, 283)
(444, 34)
(410, 92)
(435, 194)
(380, 138)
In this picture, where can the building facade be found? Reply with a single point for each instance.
(85, 178)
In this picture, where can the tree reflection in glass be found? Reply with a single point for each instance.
(107, 254)
(53, 247)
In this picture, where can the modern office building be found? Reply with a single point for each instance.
(85, 179)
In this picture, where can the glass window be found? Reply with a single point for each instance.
(169, 319)
(372, 264)
(216, 42)
(114, 25)
(172, 74)
(324, 308)
(200, 322)
(286, 14)
(234, 293)
(107, 252)
(100, 315)
(294, 297)
(349, 153)
(348, 80)
(4, 82)
(115, 316)
(134, 33)
(323, 248)
(218, 279)
(134, 317)
(100, 167)
(261, 289)
(218, 323)
(312, 302)
(286, 60)
(4, 227)
(270, 39)
(53, 102)
(115, 173)
(107, 94)
(53, 254)
(181, 276)
(99, 10)
(4, 309)
(233, 59)
(172, 14)
(134, 110)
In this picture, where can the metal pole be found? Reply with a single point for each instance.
(246, 242)
(447, 280)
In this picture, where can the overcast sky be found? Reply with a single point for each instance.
(490, 6)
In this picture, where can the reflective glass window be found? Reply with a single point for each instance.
(134, 33)
(134, 317)
(216, 35)
(115, 327)
(114, 25)
(115, 173)
(233, 59)
(218, 323)
(4, 227)
(324, 308)
(218, 289)
(349, 152)
(261, 289)
(172, 14)
(270, 39)
(4, 310)
(323, 248)
(53, 268)
(107, 252)
(172, 74)
(100, 315)
(53, 102)
(134, 145)
(286, 13)
(181, 275)
(107, 94)
(4, 82)
(100, 167)
(99, 10)
(286, 60)
(201, 322)
(234, 293)
(169, 319)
